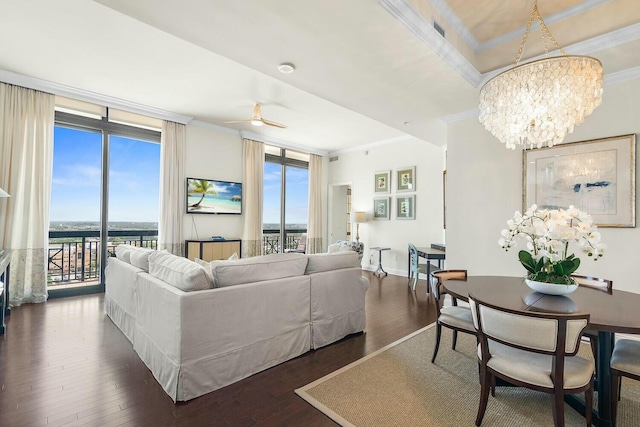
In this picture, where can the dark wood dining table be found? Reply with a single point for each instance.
(609, 313)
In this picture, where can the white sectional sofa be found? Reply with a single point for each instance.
(199, 328)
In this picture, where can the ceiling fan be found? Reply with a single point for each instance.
(257, 120)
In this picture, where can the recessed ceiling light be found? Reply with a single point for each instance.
(286, 68)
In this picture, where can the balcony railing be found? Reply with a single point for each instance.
(74, 256)
(271, 240)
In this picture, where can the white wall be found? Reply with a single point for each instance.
(358, 168)
(484, 188)
(212, 154)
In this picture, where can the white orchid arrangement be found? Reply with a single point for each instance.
(548, 234)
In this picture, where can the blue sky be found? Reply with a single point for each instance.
(297, 188)
(134, 178)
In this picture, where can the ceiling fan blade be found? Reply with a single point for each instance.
(270, 123)
(238, 121)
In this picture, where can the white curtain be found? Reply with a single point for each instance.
(172, 187)
(26, 166)
(253, 177)
(314, 226)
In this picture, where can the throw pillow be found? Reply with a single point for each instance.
(207, 271)
(234, 256)
(139, 257)
(123, 252)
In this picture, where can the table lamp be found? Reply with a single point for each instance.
(358, 218)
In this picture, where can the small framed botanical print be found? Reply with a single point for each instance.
(406, 207)
(406, 179)
(382, 182)
(381, 207)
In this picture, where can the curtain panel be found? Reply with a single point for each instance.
(27, 121)
(253, 179)
(172, 187)
(314, 227)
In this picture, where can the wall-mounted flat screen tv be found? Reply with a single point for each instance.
(208, 196)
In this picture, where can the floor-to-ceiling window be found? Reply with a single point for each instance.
(286, 198)
(104, 192)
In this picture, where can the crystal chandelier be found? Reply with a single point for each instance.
(540, 102)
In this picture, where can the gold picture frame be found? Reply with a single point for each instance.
(596, 176)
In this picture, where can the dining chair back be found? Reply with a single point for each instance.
(605, 285)
(415, 267)
(453, 317)
(534, 350)
(625, 362)
(597, 283)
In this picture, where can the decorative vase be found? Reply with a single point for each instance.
(551, 288)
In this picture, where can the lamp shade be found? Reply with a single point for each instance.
(358, 217)
(4, 193)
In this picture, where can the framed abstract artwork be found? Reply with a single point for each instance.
(406, 207)
(382, 182)
(381, 207)
(406, 179)
(596, 176)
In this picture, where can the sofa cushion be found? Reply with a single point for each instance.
(139, 257)
(333, 261)
(177, 271)
(257, 269)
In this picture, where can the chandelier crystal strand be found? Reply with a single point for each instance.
(540, 102)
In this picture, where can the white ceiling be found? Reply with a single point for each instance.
(367, 71)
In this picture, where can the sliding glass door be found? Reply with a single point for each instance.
(104, 192)
(286, 199)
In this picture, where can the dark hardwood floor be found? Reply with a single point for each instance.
(65, 363)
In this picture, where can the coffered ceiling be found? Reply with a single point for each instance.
(367, 70)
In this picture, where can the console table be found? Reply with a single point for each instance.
(210, 250)
(5, 261)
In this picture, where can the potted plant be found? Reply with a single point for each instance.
(548, 234)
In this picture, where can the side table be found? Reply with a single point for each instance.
(380, 271)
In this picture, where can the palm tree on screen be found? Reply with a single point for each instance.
(202, 187)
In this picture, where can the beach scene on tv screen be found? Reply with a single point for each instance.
(208, 196)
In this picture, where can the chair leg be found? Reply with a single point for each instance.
(594, 350)
(455, 339)
(487, 380)
(615, 395)
(435, 349)
(588, 403)
(558, 409)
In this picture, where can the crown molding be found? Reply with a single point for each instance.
(556, 17)
(461, 116)
(282, 143)
(405, 14)
(452, 18)
(425, 32)
(87, 96)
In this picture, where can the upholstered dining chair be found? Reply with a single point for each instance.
(604, 285)
(415, 267)
(625, 362)
(453, 317)
(534, 350)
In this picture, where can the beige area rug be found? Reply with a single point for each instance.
(399, 386)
